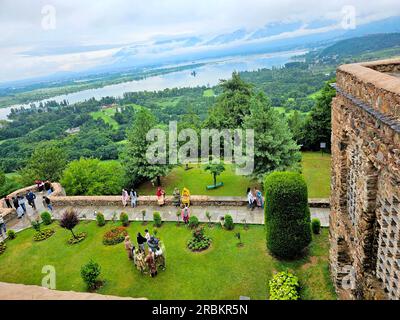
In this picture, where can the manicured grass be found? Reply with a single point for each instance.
(106, 115)
(224, 271)
(196, 180)
(316, 171)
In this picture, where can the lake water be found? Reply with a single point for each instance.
(209, 74)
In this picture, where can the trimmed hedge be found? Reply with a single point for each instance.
(316, 226)
(124, 219)
(228, 225)
(46, 218)
(101, 221)
(287, 215)
(193, 222)
(284, 286)
(157, 219)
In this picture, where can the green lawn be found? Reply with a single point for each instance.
(316, 171)
(196, 180)
(224, 271)
(106, 115)
(208, 93)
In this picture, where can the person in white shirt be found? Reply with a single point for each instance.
(251, 199)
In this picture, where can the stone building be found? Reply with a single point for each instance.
(365, 198)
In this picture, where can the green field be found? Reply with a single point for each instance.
(316, 171)
(107, 116)
(315, 168)
(224, 271)
(208, 93)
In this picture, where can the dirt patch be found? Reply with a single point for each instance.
(312, 262)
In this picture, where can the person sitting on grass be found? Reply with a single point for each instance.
(151, 263)
(185, 214)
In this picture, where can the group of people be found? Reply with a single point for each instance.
(255, 198)
(132, 196)
(150, 261)
(18, 202)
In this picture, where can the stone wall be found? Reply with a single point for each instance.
(365, 193)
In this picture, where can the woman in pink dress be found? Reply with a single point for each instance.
(125, 197)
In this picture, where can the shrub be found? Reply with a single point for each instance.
(43, 235)
(90, 273)
(114, 236)
(100, 219)
(287, 216)
(228, 222)
(77, 238)
(193, 222)
(11, 234)
(316, 226)
(46, 218)
(284, 286)
(157, 219)
(3, 247)
(69, 220)
(35, 225)
(124, 219)
(199, 241)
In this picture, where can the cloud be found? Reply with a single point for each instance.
(106, 25)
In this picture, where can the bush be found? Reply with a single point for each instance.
(114, 236)
(11, 234)
(316, 226)
(36, 225)
(229, 225)
(199, 241)
(287, 216)
(69, 220)
(124, 219)
(89, 273)
(77, 238)
(157, 219)
(3, 247)
(43, 235)
(193, 222)
(284, 286)
(46, 218)
(100, 219)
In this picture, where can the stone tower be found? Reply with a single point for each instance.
(365, 186)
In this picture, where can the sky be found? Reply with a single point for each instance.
(42, 37)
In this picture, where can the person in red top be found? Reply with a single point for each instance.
(160, 196)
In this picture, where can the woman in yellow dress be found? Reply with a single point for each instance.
(185, 199)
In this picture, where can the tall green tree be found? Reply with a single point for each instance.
(274, 147)
(296, 123)
(137, 167)
(215, 169)
(46, 163)
(232, 105)
(317, 127)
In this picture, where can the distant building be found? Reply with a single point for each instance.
(73, 130)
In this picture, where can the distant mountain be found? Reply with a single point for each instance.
(360, 45)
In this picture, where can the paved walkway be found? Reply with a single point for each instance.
(168, 213)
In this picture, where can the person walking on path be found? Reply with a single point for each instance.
(125, 197)
(141, 241)
(2, 227)
(151, 263)
(15, 203)
(185, 214)
(8, 202)
(47, 203)
(134, 197)
(21, 202)
(30, 196)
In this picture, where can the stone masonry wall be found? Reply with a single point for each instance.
(365, 184)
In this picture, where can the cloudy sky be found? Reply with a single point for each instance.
(43, 37)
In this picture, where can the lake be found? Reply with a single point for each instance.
(208, 74)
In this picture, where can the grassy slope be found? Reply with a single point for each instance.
(316, 171)
(106, 115)
(223, 272)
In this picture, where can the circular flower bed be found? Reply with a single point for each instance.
(2, 247)
(78, 238)
(114, 236)
(200, 241)
(43, 235)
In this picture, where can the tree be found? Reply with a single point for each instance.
(137, 167)
(46, 163)
(317, 127)
(69, 220)
(89, 273)
(296, 123)
(93, 177)
(232, 105)
(287, 215)
(215, 169)
(274, 147)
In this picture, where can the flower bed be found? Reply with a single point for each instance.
(2, 247)
(114, 236)
(78, 238)
(43, 234)
(199, 241)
